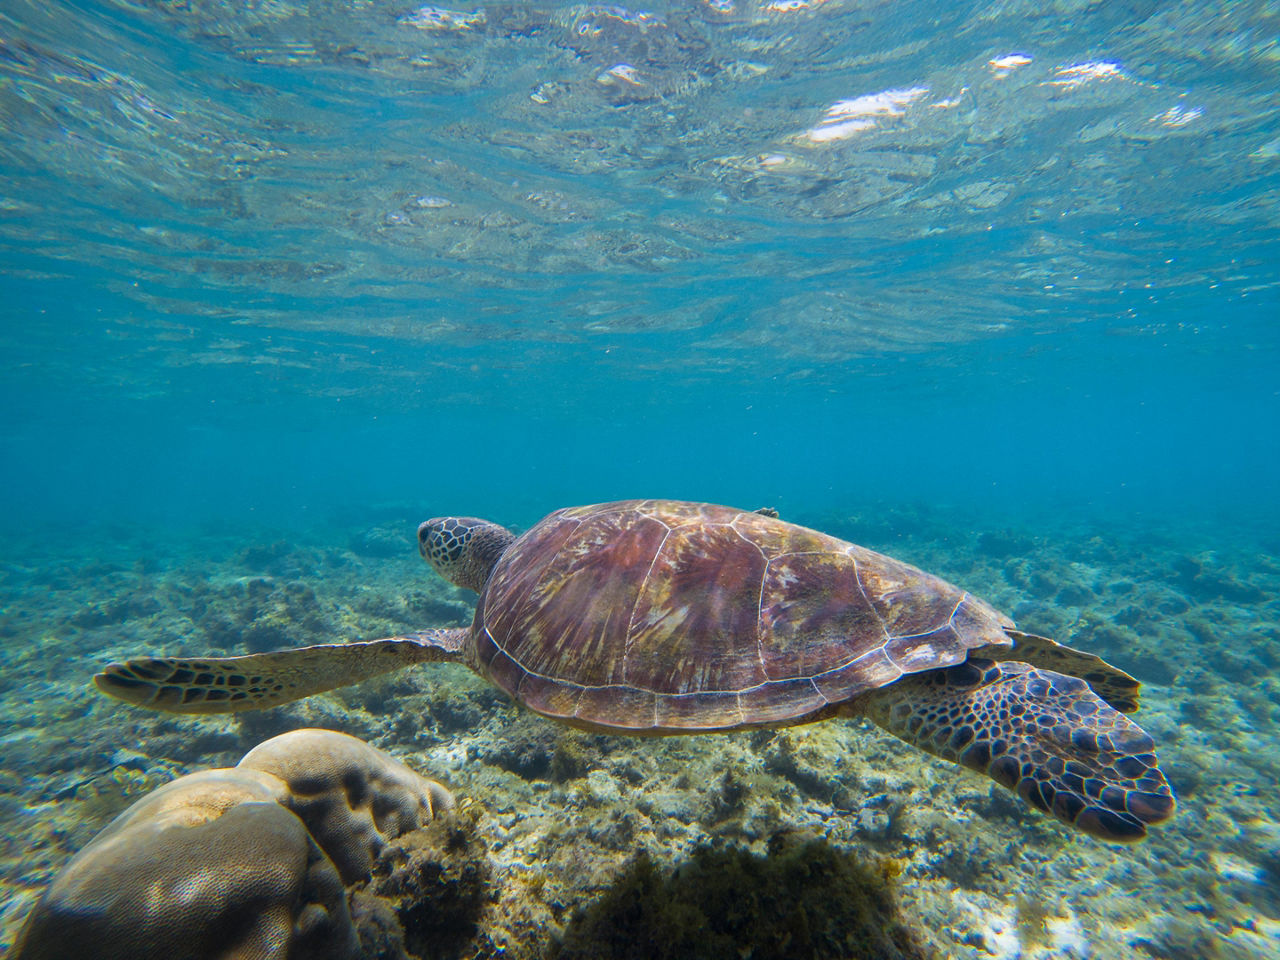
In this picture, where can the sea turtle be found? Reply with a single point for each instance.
(659, 617)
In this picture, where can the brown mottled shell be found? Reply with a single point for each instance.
(657, 616)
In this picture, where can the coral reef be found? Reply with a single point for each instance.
(551, 819)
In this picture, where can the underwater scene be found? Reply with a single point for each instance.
(434, 442)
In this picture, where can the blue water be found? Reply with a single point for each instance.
(1082, 422)
(286, 258)
(267, 265)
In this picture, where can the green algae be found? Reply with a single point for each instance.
(436, 881)
(1033, 915)
(802, 899)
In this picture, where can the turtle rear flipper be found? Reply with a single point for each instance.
(231, 684)
(1045, 735)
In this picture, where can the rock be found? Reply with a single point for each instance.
(1004, 543)
(383, 542)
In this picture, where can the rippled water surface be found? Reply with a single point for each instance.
(294, 276)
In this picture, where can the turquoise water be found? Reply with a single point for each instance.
(306, 274)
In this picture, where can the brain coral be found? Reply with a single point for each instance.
(245, 863)
(352, 797)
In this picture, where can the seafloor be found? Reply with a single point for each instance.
(833, 840)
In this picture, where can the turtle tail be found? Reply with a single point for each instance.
(1043, 734)
(231, 684)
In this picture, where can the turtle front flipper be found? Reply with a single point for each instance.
(1043, 734)
(232, 684)
(1109, 682)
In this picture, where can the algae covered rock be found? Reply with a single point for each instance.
(247, 862)
(804, 899)
(437, 881)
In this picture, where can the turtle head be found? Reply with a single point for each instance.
(463, 550)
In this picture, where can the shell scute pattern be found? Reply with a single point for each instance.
(619, 705)
(551, 696)
(695, 625)
(649, 614)
(813, 611)
(561, 598)
(709, 710)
